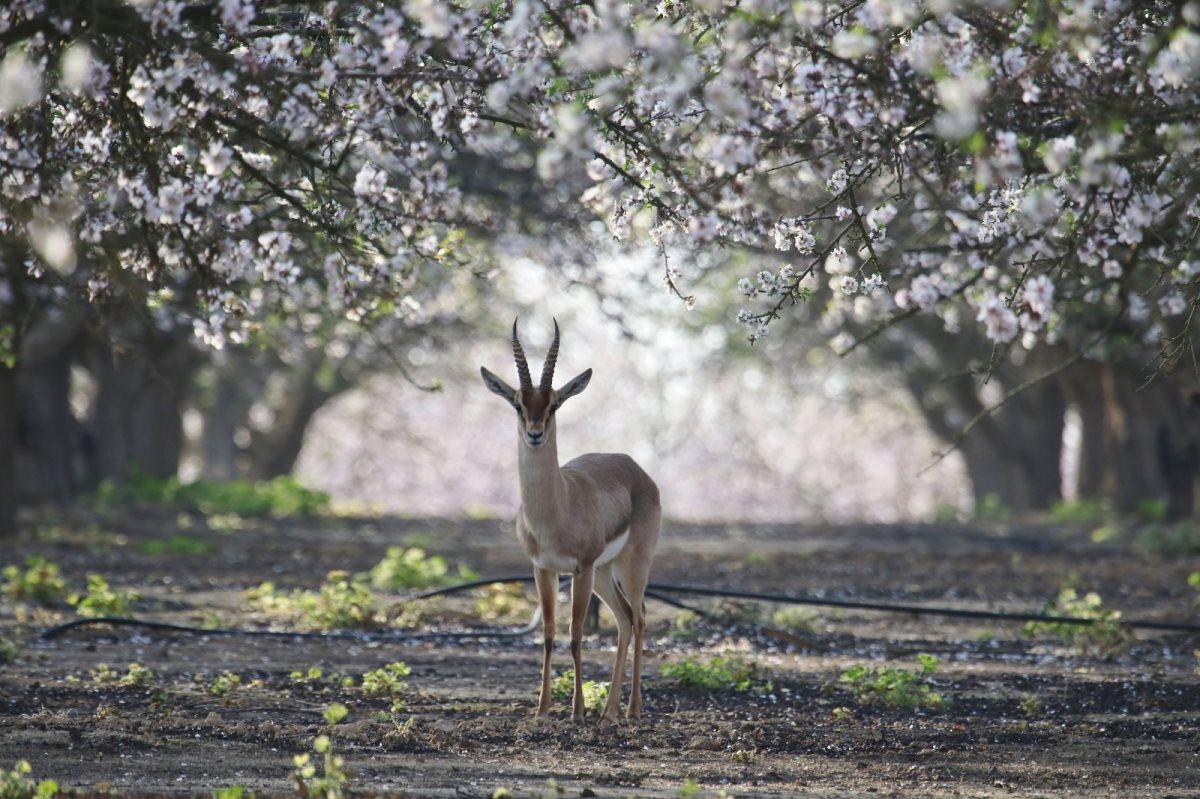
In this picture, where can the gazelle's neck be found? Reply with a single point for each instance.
(543, 489)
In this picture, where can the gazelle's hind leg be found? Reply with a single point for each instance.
(606, 588)
(632, 574)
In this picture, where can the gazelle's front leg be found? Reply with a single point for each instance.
(547, 588)
(581, 595)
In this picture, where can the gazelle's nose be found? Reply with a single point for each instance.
(535, 438)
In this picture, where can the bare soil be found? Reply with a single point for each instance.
(1025, 716)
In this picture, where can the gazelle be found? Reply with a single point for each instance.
(596, 518)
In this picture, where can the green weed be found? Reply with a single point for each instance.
(727, 672)
(102, 600)
(595, 694)
(17, 784)
(232, 792)
(387, 680)
(503, 602)
(736, 613)
(135, 675)
(894, 687)
(1178, 540)
(9, 650)
(178, 544)
(281, 497)
(796, 620)
(1105, 634)
(341, 602)
(224, 683)
(315, 677)
(1081, 511)
(1152, 509)
(331, 779)
(41, 582)
(688, 625)
(411, 567)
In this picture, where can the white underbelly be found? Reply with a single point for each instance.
(613, 549)
(550, 560)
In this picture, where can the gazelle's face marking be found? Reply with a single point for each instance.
(535, 406)
(535, 411)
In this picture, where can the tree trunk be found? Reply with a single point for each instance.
(238, 379)
(8, 452)
(1151, 430)
(136, 422)
(50, 435)
(1082, 390)
(1012, 456)
(51, 441)
(273, 452)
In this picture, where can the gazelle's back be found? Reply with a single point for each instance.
(616, 473)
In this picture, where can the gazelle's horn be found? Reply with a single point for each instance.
(522, 364)
(551, 357)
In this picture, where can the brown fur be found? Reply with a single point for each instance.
(568, 516)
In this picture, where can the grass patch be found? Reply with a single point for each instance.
(40, 581)
(102, 600)
(894, 687)
(326, 777)
(412, 567)
(342, 602)
(595, 694)
(503, 602)
(387, 680)
(15, 783)
(281, 497)
(1106, 634)
(177, 544)
(1178, 540)
(727, 672)
(1081, 511)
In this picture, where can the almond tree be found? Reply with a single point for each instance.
(1023, 169)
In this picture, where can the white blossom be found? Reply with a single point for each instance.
(216, 159)
(20, 82)
(1038, 294)
(1000, 323)
(370, 181)
(1172, 304)
(237, 15)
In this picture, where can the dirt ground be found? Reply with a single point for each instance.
(1024, 716)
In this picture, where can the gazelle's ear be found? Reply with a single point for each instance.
(498, 386)
(576, 385)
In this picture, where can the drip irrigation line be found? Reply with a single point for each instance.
(654, 591)
(923, 610)
(364, 637)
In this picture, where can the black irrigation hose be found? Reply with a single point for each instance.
(365, 637)
(456, 635)
(654, 591)
(961, 613)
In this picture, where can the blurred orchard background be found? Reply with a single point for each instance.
(880, 260)
(729, 433)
